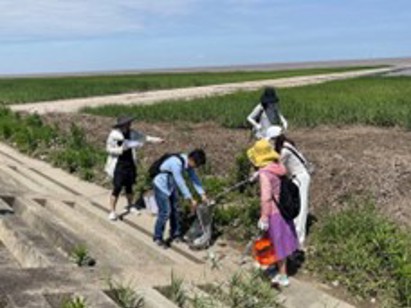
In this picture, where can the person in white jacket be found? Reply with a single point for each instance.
(121, 147)
(266, 113)
(298, 169)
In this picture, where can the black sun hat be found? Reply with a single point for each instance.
(123, 120)
(269, 96)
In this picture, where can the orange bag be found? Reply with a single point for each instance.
(263, 252)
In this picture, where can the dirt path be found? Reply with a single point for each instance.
(150, 97)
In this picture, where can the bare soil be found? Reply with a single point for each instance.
(349, 160)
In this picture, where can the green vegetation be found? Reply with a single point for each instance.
(23, 90)
(366, 253)
(244, 289)
(124, 295)
(80, 256)
(74, 302)
(69, 151)
(379, 101)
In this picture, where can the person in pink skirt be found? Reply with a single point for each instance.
(280, 231)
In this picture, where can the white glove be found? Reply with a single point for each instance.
(254, 177)
(262, 224)
(125, 146)
(154, 139)
(258, 127)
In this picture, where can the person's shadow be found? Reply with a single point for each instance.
(297, 259)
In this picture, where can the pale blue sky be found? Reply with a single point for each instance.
(88, 35)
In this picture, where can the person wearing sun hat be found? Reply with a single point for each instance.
(267, 113)
(299, 169)
(121, 146)
(280, 231)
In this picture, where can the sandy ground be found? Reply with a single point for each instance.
(150, 97)
(349, 160)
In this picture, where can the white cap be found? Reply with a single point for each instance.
(273, 132)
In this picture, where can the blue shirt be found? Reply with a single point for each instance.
(167, 182)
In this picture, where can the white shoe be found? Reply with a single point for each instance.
(132, 209)
(112, 216)
(281, 280)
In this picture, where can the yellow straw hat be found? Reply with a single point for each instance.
(262, 153)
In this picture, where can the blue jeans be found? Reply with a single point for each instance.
(167, 209)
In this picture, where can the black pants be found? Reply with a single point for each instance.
(124, 176)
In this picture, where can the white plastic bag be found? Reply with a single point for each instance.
(150, 202)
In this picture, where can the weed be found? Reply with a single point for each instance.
(239, 221)
(243, 290)
(124, 295)
(177, 293)
(366, 253)
(80, 256)
(75, 302)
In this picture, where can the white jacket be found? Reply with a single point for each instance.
(261, 126)
(294, 165)
(114, 150)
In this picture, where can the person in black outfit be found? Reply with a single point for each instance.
(121, 146)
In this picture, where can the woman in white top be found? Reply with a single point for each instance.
(267, 114)
(298, 169)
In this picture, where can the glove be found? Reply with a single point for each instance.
(258, 127)
(125, 146)
(254, 177)
(262, 224)
(154, 139)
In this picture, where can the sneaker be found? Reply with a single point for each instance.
(132, 209)
(112, 216)
(281, 280)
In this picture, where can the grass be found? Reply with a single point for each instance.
(124, 295)
(69, 151)
(364, 252)
(23, 90)
(244, 289)
(379, 101)
(75, 302)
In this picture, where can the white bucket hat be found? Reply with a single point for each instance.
(273, 132)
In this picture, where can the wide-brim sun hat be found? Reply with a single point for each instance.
(273, 132)
(123, 120)
(262, 153)
(269, 96)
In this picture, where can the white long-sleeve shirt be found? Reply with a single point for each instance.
(264, 123)
(115, 147)
(292, 163)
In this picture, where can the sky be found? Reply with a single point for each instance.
(44, 36)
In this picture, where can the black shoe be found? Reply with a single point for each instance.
(161, 243)
(174, 239)
(178, 239)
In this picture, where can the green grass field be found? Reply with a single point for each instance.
(23, 90)
(379, 101)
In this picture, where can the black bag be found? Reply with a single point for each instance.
(289, 203)
(154, 169)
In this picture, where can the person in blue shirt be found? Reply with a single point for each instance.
(166, 183)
